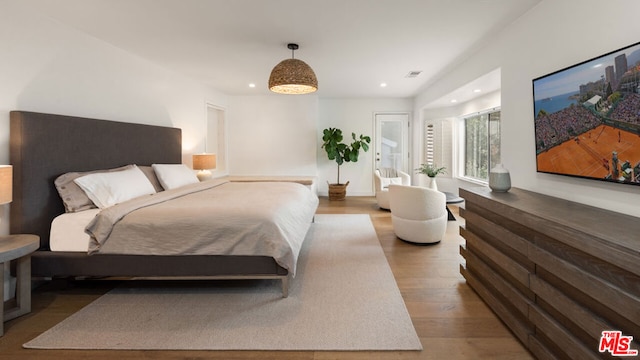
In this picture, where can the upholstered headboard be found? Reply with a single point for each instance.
(44, 146)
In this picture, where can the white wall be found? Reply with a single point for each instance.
(553, 35)
(47, 67)
(282, 135)
(357, 116)
(272, 135)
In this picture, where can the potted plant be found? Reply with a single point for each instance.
(341, 153)
(431, 170)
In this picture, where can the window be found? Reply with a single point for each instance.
(429, 144)
(481, 144)
(438, 144)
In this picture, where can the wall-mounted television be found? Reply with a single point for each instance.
(587, 118)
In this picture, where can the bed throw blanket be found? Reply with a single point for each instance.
(215, 217)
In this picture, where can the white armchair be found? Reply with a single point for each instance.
(418, 214)
(383, 177)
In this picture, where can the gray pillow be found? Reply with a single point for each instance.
(73, 197)
(151, 175)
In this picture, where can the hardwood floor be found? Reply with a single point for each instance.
(450, 319)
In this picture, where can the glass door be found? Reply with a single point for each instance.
(391, 142)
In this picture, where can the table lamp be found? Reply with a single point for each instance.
(6, 181)
(204, 163)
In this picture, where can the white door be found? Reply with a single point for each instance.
(392, 141)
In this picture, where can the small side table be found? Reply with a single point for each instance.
(452, 199)
(19, 248)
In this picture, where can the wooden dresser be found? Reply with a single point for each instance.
(558, 273)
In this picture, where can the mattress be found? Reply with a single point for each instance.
(67, 231)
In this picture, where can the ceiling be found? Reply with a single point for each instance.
(352, 45)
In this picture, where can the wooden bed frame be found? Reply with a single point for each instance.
(44, 146)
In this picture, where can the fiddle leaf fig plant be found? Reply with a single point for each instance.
(341, 152)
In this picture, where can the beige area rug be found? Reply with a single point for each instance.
(344, 297)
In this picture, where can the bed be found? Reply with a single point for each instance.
(45, 146)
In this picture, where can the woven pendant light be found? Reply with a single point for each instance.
(293, 76)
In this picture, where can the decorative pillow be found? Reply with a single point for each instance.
(172, 176)
(388, 181)
(73, 197)
(108, 189)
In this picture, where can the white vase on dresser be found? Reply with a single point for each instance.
(499, 179)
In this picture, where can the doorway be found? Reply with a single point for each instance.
(392, 141)
(216, 138)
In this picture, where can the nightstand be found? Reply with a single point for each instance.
(19, 248)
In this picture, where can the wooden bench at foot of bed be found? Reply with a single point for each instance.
(308, 181)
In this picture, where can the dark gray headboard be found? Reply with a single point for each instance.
(44, 146)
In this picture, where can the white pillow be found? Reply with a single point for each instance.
(388, 181)
(107, 189)
(172, 176)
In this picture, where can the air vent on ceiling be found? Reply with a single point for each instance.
(414, 73)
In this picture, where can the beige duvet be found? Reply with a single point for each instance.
(214, 217)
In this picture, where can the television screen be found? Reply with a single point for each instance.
(587, 118)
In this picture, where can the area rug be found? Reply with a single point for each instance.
(344, 297)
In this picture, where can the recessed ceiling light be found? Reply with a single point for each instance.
(454, 100)
(252, 85)
(383, 84)
(477, 90)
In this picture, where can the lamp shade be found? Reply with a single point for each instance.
(6, 184)
(293, 76)
(204, 161)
